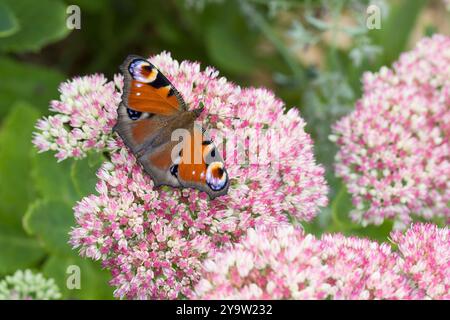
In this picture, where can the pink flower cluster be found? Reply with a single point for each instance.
(284, 263)
(394, 151)
(425, 258)
(85, 115)
(154, 240)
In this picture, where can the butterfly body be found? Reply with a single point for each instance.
(156, 125)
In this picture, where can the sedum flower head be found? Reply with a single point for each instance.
(284, 263)
(154, 239)
(425, 258)
(25, 285)
(83, 119)
(394, 151)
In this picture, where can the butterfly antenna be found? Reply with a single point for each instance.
(201, 107)
(223, 116)
(234, 118)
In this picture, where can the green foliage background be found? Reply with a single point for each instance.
(251, 42)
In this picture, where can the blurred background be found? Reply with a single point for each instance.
(312, 54)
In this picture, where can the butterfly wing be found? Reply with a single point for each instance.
(188, 160)
(149, 100)
(201, 166)
(149, 103)
(160, 166)
(160, 153)
(146, 89)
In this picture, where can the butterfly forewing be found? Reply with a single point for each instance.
(146, 89)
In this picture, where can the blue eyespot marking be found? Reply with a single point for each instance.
(134, 115)
(216, 176)
(174, 170)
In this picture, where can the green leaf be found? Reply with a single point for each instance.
(93, 280)
(226, 49)
(340, 212)
(379, 233)
(84, 172)
(51, 222)
(41, 22)
(30, 83)
(16, 190)
(396, 29)
(8, 21)
(320, 223)
(17, 250)
(52, 179)
(341, 207)
(91, 6)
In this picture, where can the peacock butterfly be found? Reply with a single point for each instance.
(150, 113)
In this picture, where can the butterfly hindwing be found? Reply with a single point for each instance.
(192, 161)
(159, 165)
(139, 129)
(201, 166)
(159, 154)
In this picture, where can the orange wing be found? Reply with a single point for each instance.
(146, 89)
(192, 162)
(138, 129)
(201, 165)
